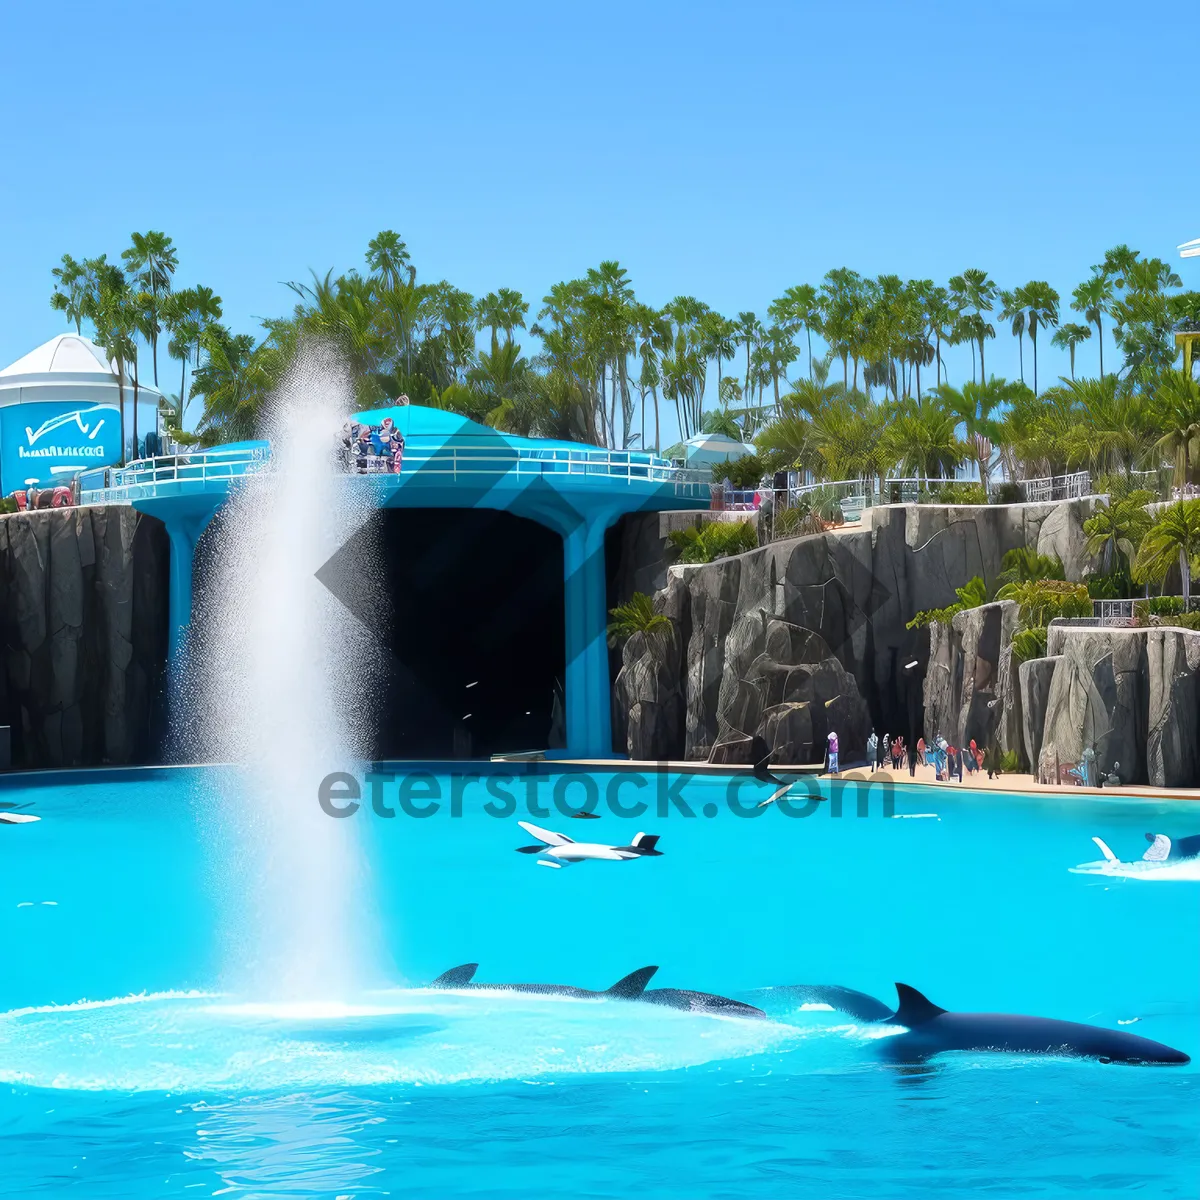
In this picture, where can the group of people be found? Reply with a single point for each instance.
(948, 762)
(373, 449)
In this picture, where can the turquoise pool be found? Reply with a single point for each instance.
(136, 1061)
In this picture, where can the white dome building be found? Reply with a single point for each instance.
(61, 413)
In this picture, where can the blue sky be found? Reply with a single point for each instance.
(718, 150)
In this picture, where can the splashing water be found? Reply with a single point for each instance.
(280, 676)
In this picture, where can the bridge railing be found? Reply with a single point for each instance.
(122, 484)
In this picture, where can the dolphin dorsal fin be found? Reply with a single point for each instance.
(914, 1009)
(456, 976)
(633, 985)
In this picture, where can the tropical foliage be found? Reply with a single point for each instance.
(637, 615)
(845, 378)
(713, 540)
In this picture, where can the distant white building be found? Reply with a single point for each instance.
(61, 413)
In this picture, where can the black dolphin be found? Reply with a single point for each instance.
(701, 1002)
(930, 1030)
(629, 987)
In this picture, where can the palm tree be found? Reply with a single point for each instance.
(1012, 309)
(389, 260)
(941, 314)
(1070, 335)
(152, 259)
(1116, 531)
(718, 338)
(1092, 298)
(1041, 307)
(70, 294)
(922, 439)
(1173, 538)
(975, 405)
(973, 289)
(748, 332)
(1177, 400)
(799, 308)
(112, 316)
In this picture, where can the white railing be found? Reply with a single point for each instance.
(1112, 613)
(445, 463)
(1057, 487)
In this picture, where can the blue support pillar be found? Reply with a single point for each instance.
(588, 691)
(183, 530)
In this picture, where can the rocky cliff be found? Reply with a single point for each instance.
(1130, 695)
(83, 623)
(743, 625)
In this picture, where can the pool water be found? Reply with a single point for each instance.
(137, 1058)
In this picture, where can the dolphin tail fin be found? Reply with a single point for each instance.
(632, 985)
(1109, 856)
(456, 976)
(530, 849)
(645, 841)
(914, 1009)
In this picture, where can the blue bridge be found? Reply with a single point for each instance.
(448, 462)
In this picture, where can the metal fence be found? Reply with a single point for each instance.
(1057, 487)
(116, 485)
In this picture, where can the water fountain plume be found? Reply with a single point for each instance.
(281, 679)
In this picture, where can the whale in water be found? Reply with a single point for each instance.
(631, 987)
(824, 995)
(930, 1030)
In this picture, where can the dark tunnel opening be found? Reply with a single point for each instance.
(475, 639)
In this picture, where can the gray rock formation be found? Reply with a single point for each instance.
(648, 702)
(83, 621)
(1131, 695)
(856, 590)
(970, 691)
(781, 682)
(1035, 679)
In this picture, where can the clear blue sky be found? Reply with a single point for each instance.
(726, 151)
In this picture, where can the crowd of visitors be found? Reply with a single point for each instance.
(948, 762)
(373, 449)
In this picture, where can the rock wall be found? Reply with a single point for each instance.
(83, 625)
(970, 689)
(855, 590)
(1036, 676)
(1131, 695)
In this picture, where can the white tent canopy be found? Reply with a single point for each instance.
(708, 449)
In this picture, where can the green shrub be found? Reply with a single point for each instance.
(637, 615)
(1010, 762)
(713, 540)
(1009, 492)
(1159, 606)
(972, 594)
(1113, 586)
(1029, 643)
(8, 505)
(959, 491)
(742, 473)
(797, 521)
(1041, 600)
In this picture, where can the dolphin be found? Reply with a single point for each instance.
(630, 987)
(842, 999)
(558, 850)
(930, 1030)
(701, 1002)
(1165, 858)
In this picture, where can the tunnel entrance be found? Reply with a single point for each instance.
(475, 640)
